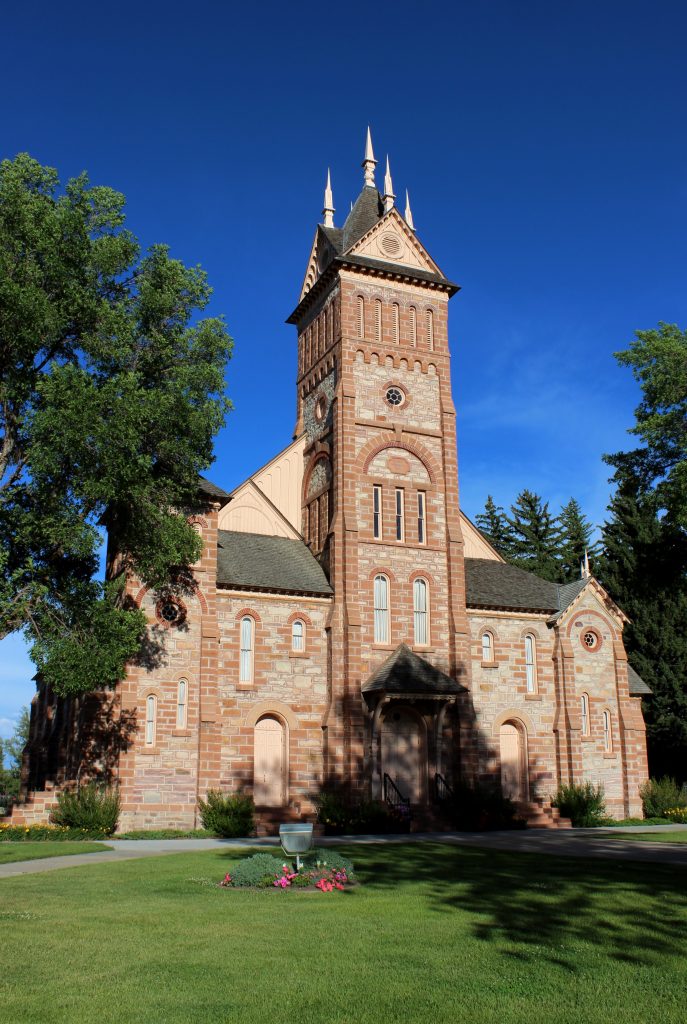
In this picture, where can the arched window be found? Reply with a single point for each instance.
(182, 703)
(151, 717)
(487, 647)
(530, 664)
(421, 612)
(608, 734)
(297, 635)
(381, 610)
(430, 329)
(584, 714)
(361, 317)
(396, 322)
(247, 646)
(378, 320)
(421, 531)
(413, 326)
(377, 511)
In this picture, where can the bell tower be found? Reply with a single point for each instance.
(380, 491)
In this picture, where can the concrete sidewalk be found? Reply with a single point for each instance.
(592, 842)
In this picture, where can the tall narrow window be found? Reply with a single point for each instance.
(325, 325)
(396, 322)
(487, 647)
(413, 326)
(608, 736)
(247, 642)
(377, 512)
(420, 613)
(378, 320)
(421, 529)
(400, 514)
(297, 636)
(361, 317)
(182, 703)
(151, 715)
(315, 523)
(530, 666)
(430, 330)
(381, 610)
(584, 714)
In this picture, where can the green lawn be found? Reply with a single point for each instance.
(437, 934)
(651, 837)
(11, 852)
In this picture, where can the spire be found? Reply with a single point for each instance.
(369, 163)
(388, 189)
(584, 567)
(409, 213)
(328, 211)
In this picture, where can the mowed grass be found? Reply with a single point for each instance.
(678, 836)
(436, 933)
(11, 852)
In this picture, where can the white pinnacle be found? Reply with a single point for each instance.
(328, 211)
(388, 189)
(369, 163)
(408, 214)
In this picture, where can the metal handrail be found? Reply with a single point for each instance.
(441, 788)
(394, 798)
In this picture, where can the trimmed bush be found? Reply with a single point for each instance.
(661, 795)
(230, 815)
(584, 804)
(478, 808)
(47, 833)
(92, 807)
(258, 870)
(339, 816)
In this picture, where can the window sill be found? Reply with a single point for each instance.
(298, 654)
(489, 664)
(610, 756)
(422, 649)
(533, 696)
(586, 739)
(181, 732)
(244, 686)
(383, 647)
(150, 751)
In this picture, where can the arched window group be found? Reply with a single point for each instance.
(297, 637)
(417, 515)
(151, 712)
(381, 611)
(378, 323)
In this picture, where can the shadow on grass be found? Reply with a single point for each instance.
(541, 907)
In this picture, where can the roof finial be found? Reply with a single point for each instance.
(584, 568)
(328, 211)
(369, 163)
(409, 213)
(388, 189)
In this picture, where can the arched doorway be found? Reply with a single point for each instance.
(402, 753)
(513, 762)
(269, 765)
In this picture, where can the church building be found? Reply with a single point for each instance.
(351, 627)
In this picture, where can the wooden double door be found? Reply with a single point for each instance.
(403, 755)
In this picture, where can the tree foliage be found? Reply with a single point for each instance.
(11, 750)
(535, 536)
(575, 541)
(494, 525)
(111, 392)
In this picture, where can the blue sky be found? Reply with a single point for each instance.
(543, 145)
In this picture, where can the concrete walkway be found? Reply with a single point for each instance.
(590, 842)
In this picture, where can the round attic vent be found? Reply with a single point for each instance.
(391, 245)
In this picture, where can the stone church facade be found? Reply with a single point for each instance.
(351, 627)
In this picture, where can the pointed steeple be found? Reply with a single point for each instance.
(328, 211)
(584, 567)
(409, 214)
(369, 163)
(388, 189)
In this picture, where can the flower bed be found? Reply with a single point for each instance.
(678, 815)
(326, 871)
(47, 833)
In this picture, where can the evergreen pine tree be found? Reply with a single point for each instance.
(575, 539)
(494, 525)
(535, 536)
(644, 569)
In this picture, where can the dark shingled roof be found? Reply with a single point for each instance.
(399, 269)
(212, 490)
(334, 236)
(367, 209)
(638, 687)
(491, 584)
(405, 672)
(252, 561)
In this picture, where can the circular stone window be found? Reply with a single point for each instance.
(591, 639)
(170, 612)
(395, 396)
(320, 408)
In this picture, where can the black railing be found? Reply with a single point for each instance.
(442, 790)
(394, 798)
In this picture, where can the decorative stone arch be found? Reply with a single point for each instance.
(197, 593)
(303, 616)
(148, 690)
(604, 620)
(422, 574)
(322, 455)
(382, 571)
(271, 707)
(197, 520)
(375, 446)
(516, 715)
(248, 611)
(531, 631)
(487, 627)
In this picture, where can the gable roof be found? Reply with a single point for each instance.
(404, 673)
(367, 210)
(492, 584)
(212, 490)
(251, 561)
(637, 686)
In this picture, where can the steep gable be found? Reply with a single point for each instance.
(390, 240)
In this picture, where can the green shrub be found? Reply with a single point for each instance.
(47, 833)
(328, 858)
(340, 816)
(661, 795)
(227, 814)
(480, 807)
(91, 807)
(258, 870)
(678, 815)
(584, 804)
